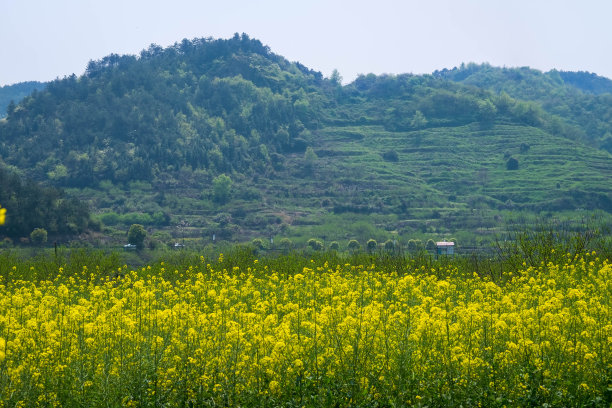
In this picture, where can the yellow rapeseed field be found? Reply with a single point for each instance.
(325, 335)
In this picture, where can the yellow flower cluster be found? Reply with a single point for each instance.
(346, 334)
(2, 215)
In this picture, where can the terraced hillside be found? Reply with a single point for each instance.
(441, 185)
(224, 138)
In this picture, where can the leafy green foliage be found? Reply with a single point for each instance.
(580, 102)
(390, 155)
(38, 236)
(353, 245)
(286, 244)
(414, 245)
(224, 137)
(257, 243)
(418, 120)
(11, 95)
(222, 188)
(203, 104)
(430, 245)
(371, 245)
(512, 164)
(389, 245)
(310, 160)
(315, 244)
(30, 206)
(137, 235)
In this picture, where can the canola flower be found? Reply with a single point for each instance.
(2, 215)
(350, 335)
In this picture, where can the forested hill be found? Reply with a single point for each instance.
(226, 105)
(214, 104)
(31, 206)
(581, 99)
(586, 81)
(152, 135)
(15, 93)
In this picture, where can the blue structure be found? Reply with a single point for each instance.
(445, 248)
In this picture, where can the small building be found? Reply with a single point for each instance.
(178, 245)
(129, 247)
(445, 248)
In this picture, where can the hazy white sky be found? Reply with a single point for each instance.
(45, 39)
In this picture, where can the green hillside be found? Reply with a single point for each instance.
(224, 137)
(578, 99)
(30, 206)
(15, 93)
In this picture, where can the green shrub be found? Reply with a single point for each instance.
(222, 188)
(389, 245)
(315, 244)
(430, 245)
(512, 164)
(371, 245)
(137, 235)
(286, 244)
(353, 245)
(38, 236)
(257, 243)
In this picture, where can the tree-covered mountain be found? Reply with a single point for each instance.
(204, 104)
(15, 93)
(587, 82)
(30, 206)
(226, 137)
(580, 103)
